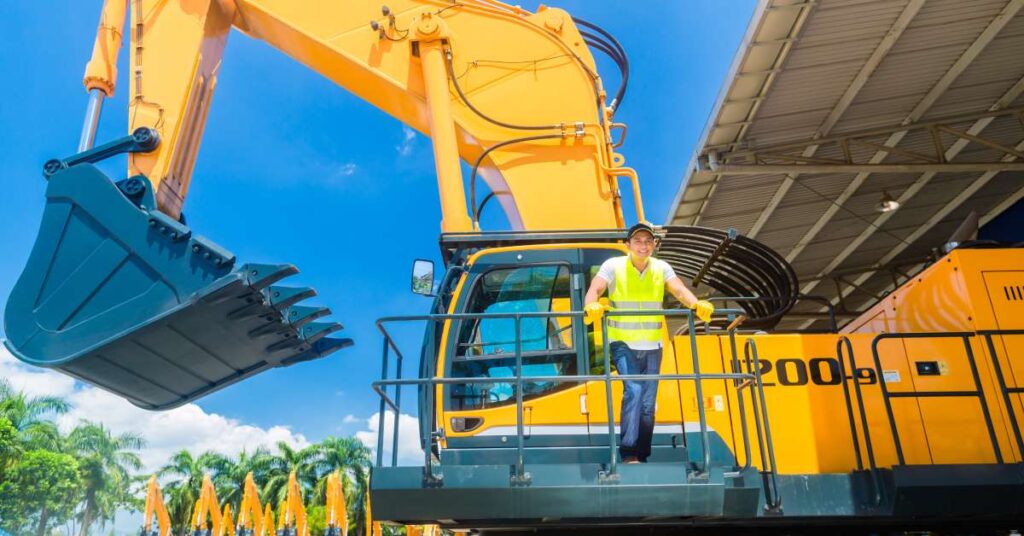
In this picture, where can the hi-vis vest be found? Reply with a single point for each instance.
(631, 292)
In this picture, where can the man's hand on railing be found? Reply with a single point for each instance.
(703, 309)
(594, 311)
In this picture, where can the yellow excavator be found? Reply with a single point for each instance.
(908, 418)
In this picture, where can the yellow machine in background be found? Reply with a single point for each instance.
(206, 515)
(250, 512)
(292, 519)
(155, 507)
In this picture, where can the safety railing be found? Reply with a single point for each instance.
(1004, 390)
(741, 380)
(842, 343)
(844, 352)
(976, 393)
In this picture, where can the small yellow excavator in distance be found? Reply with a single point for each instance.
(155, 507)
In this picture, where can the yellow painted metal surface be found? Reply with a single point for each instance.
(516, 67)
(250, 511)
(967, 291)
(101, 71)
(155, 507)
(336, 512)
(206, 515)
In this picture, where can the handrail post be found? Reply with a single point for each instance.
(380, 414)
(428, 440)
(1005, 391)
(698, 385)
(608, 397)
(770, 504)
(396, 411)
(873, 467)
(521, 478)
(885, 396)
(748, 453)
(981, 398)
(846, 396)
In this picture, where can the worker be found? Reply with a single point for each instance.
(638, 281)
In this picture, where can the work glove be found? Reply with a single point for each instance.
(703, 309)
(594, 311)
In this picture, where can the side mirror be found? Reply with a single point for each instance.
(423, 277)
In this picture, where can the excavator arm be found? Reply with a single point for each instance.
(513, 92)
(119, 292)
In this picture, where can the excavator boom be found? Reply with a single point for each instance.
(120, 292)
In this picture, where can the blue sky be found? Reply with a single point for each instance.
(294, 169)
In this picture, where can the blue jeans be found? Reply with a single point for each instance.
(638, 397)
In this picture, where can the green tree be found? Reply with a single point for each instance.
(185, 473)
(229, 475)
(28, 414)
(287, 459)
(9, 445)
(39, 491)
(351, 458)
(316, 519)
(106, 463)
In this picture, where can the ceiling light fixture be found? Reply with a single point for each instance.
(887, 203)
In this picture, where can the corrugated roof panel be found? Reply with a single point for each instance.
(835, 41)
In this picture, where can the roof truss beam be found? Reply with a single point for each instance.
(987, 35)
(883, 48)
(937, 217)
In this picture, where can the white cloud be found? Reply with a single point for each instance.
(187, 427)
(350, 419)
(408, 141)
(409, 451)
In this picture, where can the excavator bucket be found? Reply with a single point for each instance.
(120, 295)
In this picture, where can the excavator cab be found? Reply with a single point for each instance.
(120, 295)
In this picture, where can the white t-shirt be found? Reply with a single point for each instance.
(607, 272)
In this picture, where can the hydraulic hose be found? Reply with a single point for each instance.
(479, 161)
(606, 45)
(465, 100)
(743, 268)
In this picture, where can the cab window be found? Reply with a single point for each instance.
(486, 347)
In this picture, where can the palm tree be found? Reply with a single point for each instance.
(303, 461)
(27, 414)
(183, 489)
(351, 458)
(105, 464)
(229, 475)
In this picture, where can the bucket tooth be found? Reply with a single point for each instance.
(300, 315)
(315, 331)
(261, 276)
(132, 301)
(284, 297)
(318, 349)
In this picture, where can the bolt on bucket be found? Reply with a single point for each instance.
(121, 296)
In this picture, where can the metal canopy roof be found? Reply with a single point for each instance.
(830, 103)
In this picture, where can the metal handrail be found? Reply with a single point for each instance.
(844, 341)
(965, 336)
(769, 480)
(380, 387)
(1005, 391)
